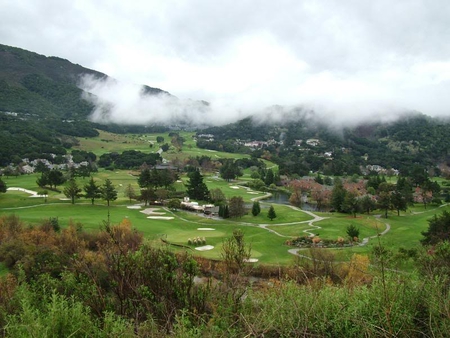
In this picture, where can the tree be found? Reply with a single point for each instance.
(321, 195)
(256, 208)
(419, 175)
(399, 201)
(367, 204)
(55, 177)
(2, 186)
(338, 195)
(165, 177)
(43, 180)
(159, 139)
(384, 201)
(352, 232)
(108, 191)
(235, 252)
(429, 189)
(269, 179)
(438, 229)
(147, 195)
(217, 196)
(149, 178)
(196, 188)
(174, 204)
(236, 207)
(351, 203)
(271, 213)
(129, 192)
(229, 170)
(319, 179)
(92, 190)
(72, 190)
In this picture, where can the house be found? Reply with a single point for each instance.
(313, 142)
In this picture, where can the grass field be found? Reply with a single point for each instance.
(266, 237)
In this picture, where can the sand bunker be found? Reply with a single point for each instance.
(152, 211)
(161, 217)
(205, 229)
(253, 192)
(31, 192)
(204, 248)
(233, 187)
(134, 207)
(251, 260)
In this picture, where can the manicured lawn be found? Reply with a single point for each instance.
(335, 227)
(266, 246)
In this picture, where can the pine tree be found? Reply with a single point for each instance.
(92, 190)
(196, 188)
(109, 192)
(271, 214)
(226, 212)
(256, 209)
(2, 186)
(72, 190)
(269, 179)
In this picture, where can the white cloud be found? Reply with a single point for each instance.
(352, 60)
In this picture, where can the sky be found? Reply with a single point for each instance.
(348, 60)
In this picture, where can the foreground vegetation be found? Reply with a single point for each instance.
(114, 283)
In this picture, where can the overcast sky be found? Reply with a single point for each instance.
(344, 57)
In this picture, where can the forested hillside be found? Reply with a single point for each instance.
(41, 106)
(304, 145)
(41, 110)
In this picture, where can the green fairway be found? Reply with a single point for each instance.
(266, 237)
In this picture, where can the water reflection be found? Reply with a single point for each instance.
(280, 197)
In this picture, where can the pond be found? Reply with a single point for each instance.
(281, 197)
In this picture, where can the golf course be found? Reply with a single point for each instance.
(158, 223)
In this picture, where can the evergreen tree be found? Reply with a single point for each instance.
(351, 203)
(196, 188)
(338, 195)
(92, 190)
(229, 170)
(269, 179)
(366, 204)
(72, 190)
(385, 197)
(226, 212)
(319, 179)
(399, 201)
(2, 186)
(438, 229)
(271, 213)
(109, 192)
(256, 209)
(352, 232)
(55, 177)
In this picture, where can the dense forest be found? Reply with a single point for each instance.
(412, 139)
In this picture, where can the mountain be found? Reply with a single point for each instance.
(42, 109)
(31, 83)
(41, 105)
